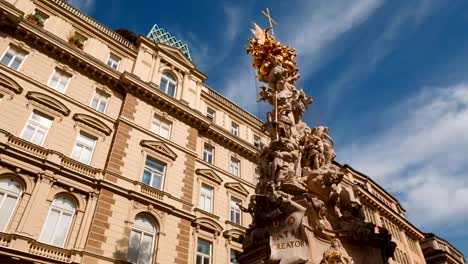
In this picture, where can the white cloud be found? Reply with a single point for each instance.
(422, 155)
(86, 6)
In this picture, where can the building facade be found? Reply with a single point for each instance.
(114, 151)
(438, 251)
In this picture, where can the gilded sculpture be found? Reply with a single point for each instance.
(298, 176)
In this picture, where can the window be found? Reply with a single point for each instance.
(141, 241)
(235, 211)
(233, 256)
(168, 84)
(59, 80)
(211, 114)
(10, 191)
(38, 18)
(204, 249)
(58, 222)
(13, 58)
(36, 128)
(257, 142)
(208, 153)
(154, 174)
(84, 148)
(234, 129)
(161, 127)
(113, 61)
(235, 164)
(78, 40)
(100, 101)
(206, 198)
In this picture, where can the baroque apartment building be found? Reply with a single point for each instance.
(114, 151)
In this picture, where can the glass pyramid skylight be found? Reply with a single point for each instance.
(158, 34)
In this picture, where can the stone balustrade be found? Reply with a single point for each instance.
(50, 252)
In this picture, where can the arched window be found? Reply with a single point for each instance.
(56, 228)
(10, 191)
(168, 84)
(142, 241)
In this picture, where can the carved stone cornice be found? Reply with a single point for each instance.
(7, 83)
(210, 175)
(160, 147)
(207, 224)
(382, 208)
(49, 102)
(93, 123)
(237, 188)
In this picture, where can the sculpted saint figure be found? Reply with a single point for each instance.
(336, 254)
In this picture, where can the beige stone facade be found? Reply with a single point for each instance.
(98, 155)
(438, 251)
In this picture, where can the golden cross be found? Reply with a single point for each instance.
(271, 21)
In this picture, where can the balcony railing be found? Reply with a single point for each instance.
(50, 252)
(44, 154)
(28, 147)
(92, 22)
(4, 240)
(152, 192)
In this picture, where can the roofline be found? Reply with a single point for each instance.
(347, 166)
(432, 235)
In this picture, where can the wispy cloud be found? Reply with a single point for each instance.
(86, 6)
(208, 54)
(402, 21)
(422, 155)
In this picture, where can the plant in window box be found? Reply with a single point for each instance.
(35, 19)
(77, 40)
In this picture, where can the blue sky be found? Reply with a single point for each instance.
(388, 77)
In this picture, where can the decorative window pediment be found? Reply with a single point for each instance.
(159, 147)
(234, 235)
(92, 123)
(48, 102)
(9, 85)
(210, 175)
(208, 225)
(237, 187)
(175, 53)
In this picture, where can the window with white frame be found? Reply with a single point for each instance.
(36, 128)
(204, 249)
(161, 127)
(142, 241)
(153, 174)
(113, 61)
(211, 114)
(208, 153)
(57, 225)
(206, 198)
(235, 167)
(59, 80)
(234, 129)
(168, 84)
(233, 256)
(10, 192)
(100, 101)
(84, 148)
(235, 211)
(13, 58)
(257, 142)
